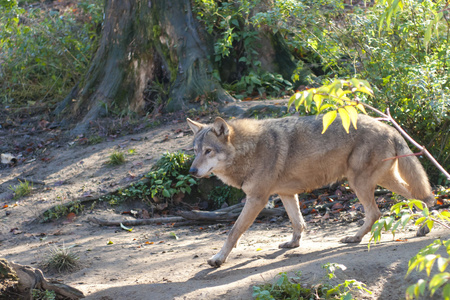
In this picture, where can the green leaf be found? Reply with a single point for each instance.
(420, 220)
(437, 281)
(293, 98)
(174, 235)
(166, 193)
(179, 183)
(328, 118)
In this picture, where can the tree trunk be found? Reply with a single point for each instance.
(150, 53)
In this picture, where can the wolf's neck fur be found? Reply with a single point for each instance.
(244, 136)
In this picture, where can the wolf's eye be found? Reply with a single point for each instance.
(207, 151)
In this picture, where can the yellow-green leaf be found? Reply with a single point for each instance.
(125, 228)
(300, 100)
(345, 119)
(361, 108)
(293, 98)
(328, 118)
(353, 114)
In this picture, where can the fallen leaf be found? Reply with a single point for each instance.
(259, 249)
(71, 216)
(126, 228)
(5, 206)
(109, 243)
(173, 234)
(149, 243)
(401, 240)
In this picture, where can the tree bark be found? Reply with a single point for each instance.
(150, 53)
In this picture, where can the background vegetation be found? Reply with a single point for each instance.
(401, 49)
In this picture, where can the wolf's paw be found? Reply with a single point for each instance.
(290, 244)
(423, 231)
(215, 261)
(350, 239)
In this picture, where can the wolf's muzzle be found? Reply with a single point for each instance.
(193, 171)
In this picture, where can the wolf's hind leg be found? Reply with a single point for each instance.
(292, 208)
(365, 192)
(252, 208)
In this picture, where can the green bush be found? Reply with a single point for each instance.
(44, 52)
(169, 177)
(406, 64)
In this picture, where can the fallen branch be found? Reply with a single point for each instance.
(29, 278)
(136, 222)
(221, 215)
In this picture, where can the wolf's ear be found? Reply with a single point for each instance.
(195, 126)
(221, 127)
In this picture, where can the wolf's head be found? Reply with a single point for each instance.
(212, 147)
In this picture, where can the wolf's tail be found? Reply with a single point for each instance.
(413, 174)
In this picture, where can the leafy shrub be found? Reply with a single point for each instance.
(45, 51)
(168, 178)
(406, 64)
(234, 28)
(61, 210)
(225, 193)
(290, 288)
(403, 214)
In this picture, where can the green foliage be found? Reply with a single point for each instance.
(116, 158)
(403, 214)
(169, 177)
(225, 193)
(425, 260)
(234, 29)
(61, 259)
(44, 52)
(43, 294)
(61, 210)
(290, 288)
(22, 189)
(402, 49)
(336, 97)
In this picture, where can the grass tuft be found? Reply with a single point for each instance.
(116, 158)
(61, 259)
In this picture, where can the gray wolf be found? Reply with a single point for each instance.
(289, 156)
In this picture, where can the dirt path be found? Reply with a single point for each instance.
(148, 263)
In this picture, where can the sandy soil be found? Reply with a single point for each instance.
(149, 263)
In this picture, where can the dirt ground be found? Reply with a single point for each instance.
(149, 263)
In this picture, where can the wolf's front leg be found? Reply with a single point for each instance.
(290, 203)
(252, 208)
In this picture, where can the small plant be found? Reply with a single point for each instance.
(402, 214)
(290, 288)
(225, 193)
(23, 189)
(61, 259)
(168, 178)
(116, 158)
(43, 294)
(60, 211)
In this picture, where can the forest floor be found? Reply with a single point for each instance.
(148, 262)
